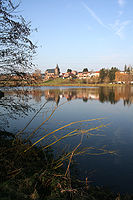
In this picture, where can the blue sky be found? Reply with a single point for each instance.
(81, 33)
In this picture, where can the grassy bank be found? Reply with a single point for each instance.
(58, 82)
(74, 82)
(32, 175)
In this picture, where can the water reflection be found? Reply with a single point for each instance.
(17, 100)
(14, 104)
(118, 135)
(102, 94)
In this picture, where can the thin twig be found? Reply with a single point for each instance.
(31, 119)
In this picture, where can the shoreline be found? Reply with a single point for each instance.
(79, 85)
(60, 83)
(104, 85)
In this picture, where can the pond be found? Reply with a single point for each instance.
(100, 119)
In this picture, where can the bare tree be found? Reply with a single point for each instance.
(16, 49)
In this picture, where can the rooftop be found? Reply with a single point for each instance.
(50, 70)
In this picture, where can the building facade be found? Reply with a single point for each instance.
(52, 73)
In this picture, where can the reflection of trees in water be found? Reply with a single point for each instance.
(124, 93)
(102, 97)
(72, 93)
(14, 104)
(127, 102)
(85, 99)
(107, 95)
(113, 95)
(103, 94)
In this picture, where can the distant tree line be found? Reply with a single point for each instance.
(108, 75)
(128, 69)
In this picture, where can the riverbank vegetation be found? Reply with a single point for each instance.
(34, 175)
(73, 82)
(58, 82)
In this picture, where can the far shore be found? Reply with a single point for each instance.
(78, 85)
(69, 85)
(81, 85)
(59, 83)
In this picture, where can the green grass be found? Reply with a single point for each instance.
(59, 82)
(74, 82)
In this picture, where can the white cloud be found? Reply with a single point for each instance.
(119, 27)
(93, 14)
(121, 2)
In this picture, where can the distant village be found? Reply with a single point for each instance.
(112, 75)
(125, 76)
(85, 74)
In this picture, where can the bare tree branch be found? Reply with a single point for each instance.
(16, 49)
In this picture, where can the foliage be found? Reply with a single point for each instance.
(108, 75)
(125, 68)
(16, 49)
(37, 75)
(26, 175)
(12, 106)
(103, 74)
(85, 70)
(73, 82)
(69, 70)
(128, 69)
(112, 73)
(32, 175)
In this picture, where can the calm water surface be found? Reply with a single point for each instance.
(114, 105)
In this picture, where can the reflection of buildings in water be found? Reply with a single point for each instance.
(103, 94)
(61, 96)
(36, 94)
(94, 96)
(112, 95)
(71, 94)
(52, 95)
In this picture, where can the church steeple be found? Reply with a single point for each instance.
(57, 70)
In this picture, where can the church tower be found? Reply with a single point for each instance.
(57, 70)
